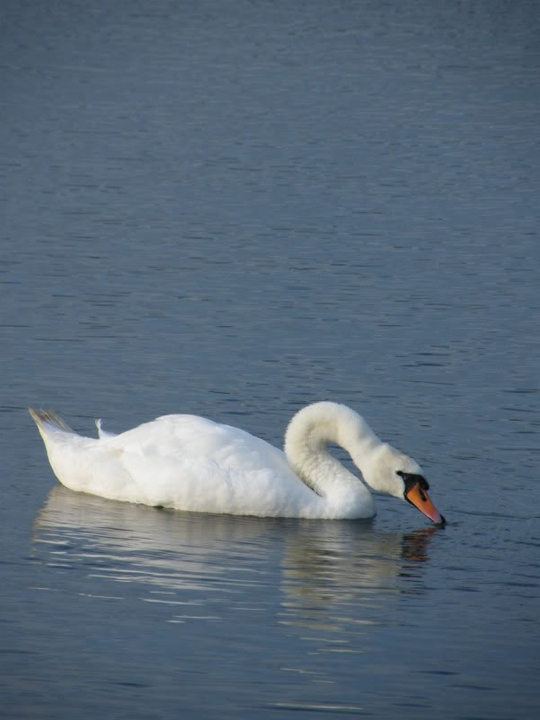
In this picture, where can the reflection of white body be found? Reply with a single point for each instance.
(138, 545)
(190, 463)
(171, 552)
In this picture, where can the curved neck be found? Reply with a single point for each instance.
(310, 432)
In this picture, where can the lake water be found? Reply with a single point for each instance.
(234, 209)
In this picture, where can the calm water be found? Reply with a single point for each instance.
(233, 209)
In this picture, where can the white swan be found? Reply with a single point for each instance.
(190, 463)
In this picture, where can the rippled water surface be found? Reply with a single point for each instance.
(233, 209)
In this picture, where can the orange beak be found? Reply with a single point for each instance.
(418, 497)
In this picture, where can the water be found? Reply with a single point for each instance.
(234, 209)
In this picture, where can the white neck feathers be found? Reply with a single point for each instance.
(307, 438)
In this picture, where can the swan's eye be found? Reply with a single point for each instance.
(411, 479)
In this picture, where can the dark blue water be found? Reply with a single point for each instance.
(234, 209)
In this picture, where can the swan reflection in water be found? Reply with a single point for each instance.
(199, 559)
(351, 564)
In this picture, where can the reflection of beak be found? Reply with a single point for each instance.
(420, 499)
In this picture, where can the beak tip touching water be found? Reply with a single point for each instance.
(436, 518)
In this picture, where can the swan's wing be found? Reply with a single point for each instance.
(191, 463)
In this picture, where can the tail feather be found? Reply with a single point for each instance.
(49, 418)
(103, 434)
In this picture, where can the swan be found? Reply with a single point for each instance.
(186, 462)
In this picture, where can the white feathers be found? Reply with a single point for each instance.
(190, 463)
(103, 434)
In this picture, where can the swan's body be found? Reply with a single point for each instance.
(190, 463)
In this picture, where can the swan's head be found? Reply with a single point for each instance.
(391, 472)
